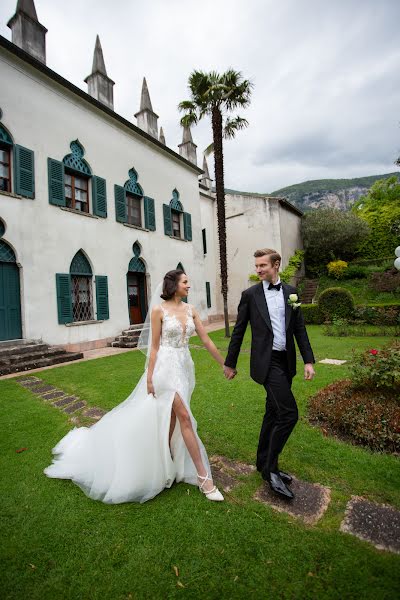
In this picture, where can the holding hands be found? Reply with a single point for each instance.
(229, 372)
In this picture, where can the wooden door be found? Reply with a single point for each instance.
(136, 295)
(10, 302)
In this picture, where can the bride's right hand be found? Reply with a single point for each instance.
(150, 388)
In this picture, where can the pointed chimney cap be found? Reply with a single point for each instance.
(27, 7)
(187, 135)
(98, 58)
(162, 136)
(145, 102)
(205, 169)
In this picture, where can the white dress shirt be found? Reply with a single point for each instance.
(276, 308)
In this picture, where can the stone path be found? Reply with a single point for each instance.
(71, 405)
(368, 521)
(332, 361)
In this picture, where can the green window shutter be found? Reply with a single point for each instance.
(120, 203)
(64, 298)
(204, 241)
(208, 294)
(102, 297)
(56, 182)
(149, 214)
(167, 219)
(99, 196)
(24, 172)
(187, 226)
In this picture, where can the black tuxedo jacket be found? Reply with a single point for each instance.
(253, 308)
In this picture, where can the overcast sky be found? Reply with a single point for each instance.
(326, 98)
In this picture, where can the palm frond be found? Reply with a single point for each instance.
(189, 119)
(233, 125)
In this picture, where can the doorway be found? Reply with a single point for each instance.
(136, 283)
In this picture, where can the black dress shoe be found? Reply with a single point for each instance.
(286, 478)
(276, 484)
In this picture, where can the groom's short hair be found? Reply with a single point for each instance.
(273, 255)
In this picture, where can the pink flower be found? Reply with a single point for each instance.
(373, 352)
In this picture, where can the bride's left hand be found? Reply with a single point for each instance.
(150, 388)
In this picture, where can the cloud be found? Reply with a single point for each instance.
(326, 97)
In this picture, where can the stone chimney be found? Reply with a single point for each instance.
(188, 149)
(162, 136)
(146, 117)
(100, 86)
(205, 179)
(26, 31)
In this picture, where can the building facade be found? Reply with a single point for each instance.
(94, 209)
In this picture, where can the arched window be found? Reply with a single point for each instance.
(16, 160)
(70, 181)
(132, 207)
(75, 292)
(176, 220)
(81, 288)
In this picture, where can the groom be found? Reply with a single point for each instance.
(275, 321)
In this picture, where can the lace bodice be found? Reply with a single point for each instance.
(173, 333)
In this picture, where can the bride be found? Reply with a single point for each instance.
(150, 440)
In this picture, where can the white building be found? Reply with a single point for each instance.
(94, 209)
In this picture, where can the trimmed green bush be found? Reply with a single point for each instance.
(312, 315)
(378, 314)
(355, 272)
(336, 302)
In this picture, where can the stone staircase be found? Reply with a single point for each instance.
(23, 355)
(309, 291)
(128, 338)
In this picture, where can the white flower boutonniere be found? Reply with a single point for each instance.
(292, 301)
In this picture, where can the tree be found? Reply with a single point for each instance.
(216, 96)
(380, 208)
(330, 234)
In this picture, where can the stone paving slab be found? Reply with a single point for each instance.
(28, 380)
(43, 389)
(29, 383)
(94, 412)
(227, 464)
(64, 401)
(375, 523)
(222, 479)
(73, 407)
(52, 395)
(309, 504)
(332, 361)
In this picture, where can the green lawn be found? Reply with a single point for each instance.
(59, 544)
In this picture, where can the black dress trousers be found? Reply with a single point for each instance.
(281, 414)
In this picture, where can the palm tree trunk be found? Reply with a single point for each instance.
(216, 119)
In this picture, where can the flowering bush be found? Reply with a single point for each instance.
(336, 268)
(374, 369)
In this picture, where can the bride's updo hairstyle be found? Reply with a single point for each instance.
(170, 283)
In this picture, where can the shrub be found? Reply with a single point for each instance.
(370, 417)
(373, 369)
(338, 328)
(336, 302)
(378, 314)
(292, 267)
(337, 268)
(312, 315)
(389, 281)
(355, 272)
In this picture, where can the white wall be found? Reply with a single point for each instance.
(45, 117)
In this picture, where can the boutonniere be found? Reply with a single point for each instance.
(292, 301)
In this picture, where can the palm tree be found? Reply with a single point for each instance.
(216, 96)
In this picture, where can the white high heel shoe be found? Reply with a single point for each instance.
(213, 494)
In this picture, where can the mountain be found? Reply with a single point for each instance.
(329, 193)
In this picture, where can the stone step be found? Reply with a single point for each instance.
(14, 359)
(124, 344)
(138, 326)
(40, 362)
(134, 333)
(21, 349)
(17, 342)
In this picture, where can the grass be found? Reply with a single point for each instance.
(60, 544)
(361, 289)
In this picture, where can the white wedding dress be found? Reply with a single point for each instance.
(126, 456)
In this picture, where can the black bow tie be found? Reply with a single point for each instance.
(277, 286)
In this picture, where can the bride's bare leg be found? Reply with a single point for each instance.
(172, 425)
(190, 439)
